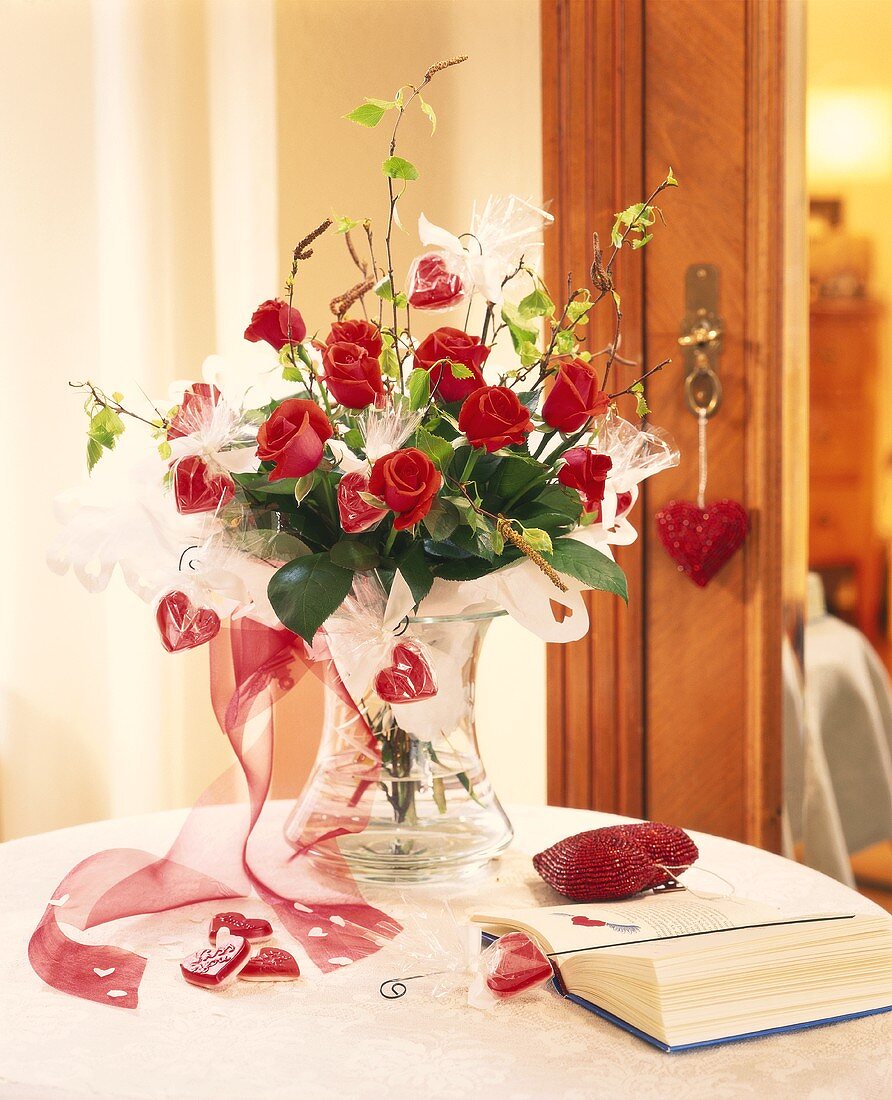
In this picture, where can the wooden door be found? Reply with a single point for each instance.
(672, 709)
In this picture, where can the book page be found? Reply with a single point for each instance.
(655, 916)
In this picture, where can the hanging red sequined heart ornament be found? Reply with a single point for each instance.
(408, 678)
(617, 861)
(701, 540)
(183, 625)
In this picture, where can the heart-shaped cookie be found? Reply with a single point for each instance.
(272, 964)
(197, 488)
(514, 963)
(408, 678)
(701, 540)
(617, 861)
(216, 967)
(252, 929)
(183, 625)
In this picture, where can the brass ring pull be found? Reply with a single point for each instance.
(703, 392)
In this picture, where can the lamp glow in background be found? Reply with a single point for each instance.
(849, 133)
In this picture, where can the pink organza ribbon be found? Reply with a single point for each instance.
(225, 849)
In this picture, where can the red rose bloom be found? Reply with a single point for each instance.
(355, 513)
(293, 438)
(270, 322)
(493, 417)
(586, 471)
(353, 377)
(361, 332)
(195, 409)
(407, 481)
(575, 397)
(457, 347)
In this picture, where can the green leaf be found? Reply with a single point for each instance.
(419, 388)
(577, 312)
(588, 565)
(355, 555)
(94, 453)
(441, 520)
(539, 540)
(398, 169)
(306, 591)
(304, 485)
(429, 111)
(384, 289)
(522, 331)
(260, 485)
(373, 501)
(343, 224)
(370, 113)
(164, 450)
(390, 365)
(438, 449)
(642, 241)
(459, 370)
(413, 565)
(565, 342)
(671, 181)
(274, 546)
(536, 304)
(642, 409)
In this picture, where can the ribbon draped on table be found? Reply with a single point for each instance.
(220, 853)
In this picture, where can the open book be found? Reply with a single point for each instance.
(683, 971)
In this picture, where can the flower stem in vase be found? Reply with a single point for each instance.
(398, 751)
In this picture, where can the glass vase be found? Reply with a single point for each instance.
(431, 809)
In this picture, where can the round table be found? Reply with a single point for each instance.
(336, 1037)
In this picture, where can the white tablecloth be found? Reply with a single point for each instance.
(336, 1037)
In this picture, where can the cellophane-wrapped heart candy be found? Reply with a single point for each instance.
(409, 677)
(434, 283)
(512, 964)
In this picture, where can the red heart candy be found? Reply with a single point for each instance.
(408, 678)
(355, 513)
(431, 285)
(701, 540)
(182, 624)
(253, 929)
(216, 967)
(196, 488)
(271, 965)
(617, 861)
(514, 963)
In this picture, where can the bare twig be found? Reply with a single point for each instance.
(105, 402)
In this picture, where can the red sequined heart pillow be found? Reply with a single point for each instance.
(701, 540)
(617, 861)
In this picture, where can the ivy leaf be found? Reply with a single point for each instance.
(419, 388)
(371, 112)
(642, 409)
(536, 304)
(306, 591)
(429, 111)
(399, 169)
(416, 572)
(588, 565)
(355, 555)
(459, 370)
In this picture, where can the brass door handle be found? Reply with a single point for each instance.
(701, 337)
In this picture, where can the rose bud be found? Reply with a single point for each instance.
(493, 417)
(353, 377)
(270, 322)
(575, 397)
(293, 438)
(586, 471)
(407, 481)
(431, 284)
(196, 410)
(361, 332)
(356, 514)
(457, 347)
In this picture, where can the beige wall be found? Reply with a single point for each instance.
(142, 215)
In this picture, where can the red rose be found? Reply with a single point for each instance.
(431, 285)
(586, 471)
(493, 417)
(355, 513)
(270, 322)
(293, 438)
(196, 488)
(361, 332)
(353, 377)
(407, 481)
(457, 347)
(195, 410)
(575, 397)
